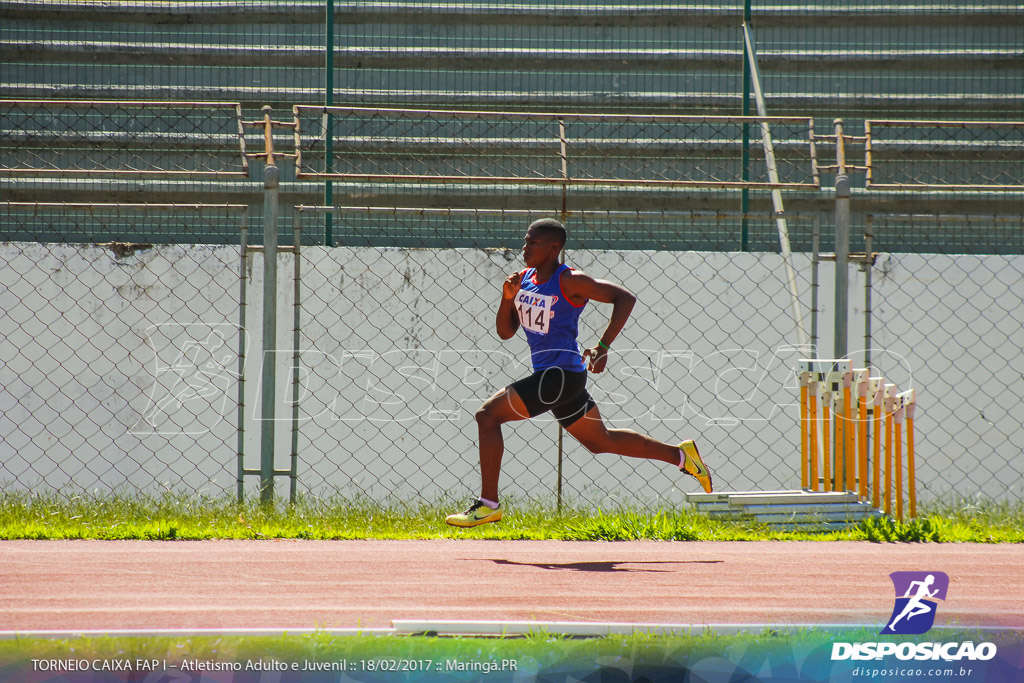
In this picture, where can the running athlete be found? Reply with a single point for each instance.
(546, 300)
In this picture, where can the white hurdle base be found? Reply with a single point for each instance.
(794, 509)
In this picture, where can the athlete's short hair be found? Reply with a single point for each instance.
(550, 227)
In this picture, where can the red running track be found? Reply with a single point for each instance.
(113, 585)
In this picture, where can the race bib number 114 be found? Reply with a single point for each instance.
(535, 310)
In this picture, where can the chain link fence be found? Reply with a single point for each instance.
(952, 326)
(120, 347)
(122, 359)
(123, 340)
(126, 362)
(397, 353)
(125, 343)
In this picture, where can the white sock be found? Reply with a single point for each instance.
(682, 457)
(493, 504)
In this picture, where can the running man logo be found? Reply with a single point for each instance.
(916, 595)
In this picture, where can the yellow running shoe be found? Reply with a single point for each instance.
(694, 466)
(477, 514)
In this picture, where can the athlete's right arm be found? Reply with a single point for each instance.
(507, 320)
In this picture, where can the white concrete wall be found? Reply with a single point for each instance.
(89, 343)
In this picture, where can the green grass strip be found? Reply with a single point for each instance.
(174, 516)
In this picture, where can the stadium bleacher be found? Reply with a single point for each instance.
(851, 60)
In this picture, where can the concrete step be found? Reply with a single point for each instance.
(676, 101)
(786, 508)
(735, 508)
(789, 496)
(189, 52)
(588, 14)
(811, 526)
(797, 517)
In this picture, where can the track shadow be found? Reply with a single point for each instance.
(604, 566)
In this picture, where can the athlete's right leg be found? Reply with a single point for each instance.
(504, 406)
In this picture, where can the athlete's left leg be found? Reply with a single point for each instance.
(591, 431)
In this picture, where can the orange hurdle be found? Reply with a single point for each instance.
(857, 443)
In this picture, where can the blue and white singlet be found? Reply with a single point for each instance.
(551, 322)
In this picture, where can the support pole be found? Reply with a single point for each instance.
(833, 435)
(869, 265)
(850, 446)
(877, 390)
(745, 192)
(242, 305)
(815, 260)
(805, 426)
(861, 379)
(890, 401)
(561, 257)
(563, 152)
(773, 177)
(812, 406)
(269, 393)
(560, 433)
(910, 403)
(296, 359)
(842, 283)
(840, 418)
(826, 401)
(328, 119)
(897, 419)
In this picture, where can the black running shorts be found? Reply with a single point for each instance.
(561, 391)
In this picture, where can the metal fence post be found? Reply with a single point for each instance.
(842, 278)
(269, 394)
(242, 304)
(296, 353)
(745, 192)
(773, 176)
(869, 262)
(328, 137)
(815, 260)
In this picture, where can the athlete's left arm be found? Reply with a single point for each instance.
(579, 287)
